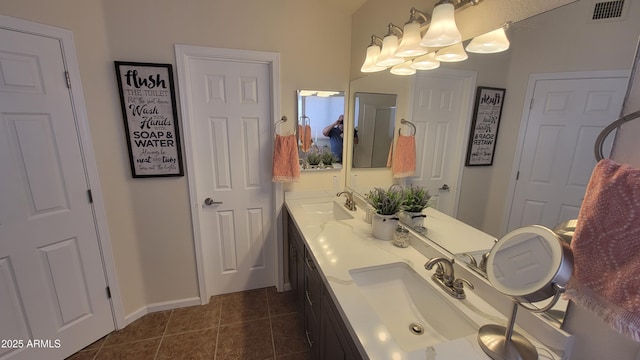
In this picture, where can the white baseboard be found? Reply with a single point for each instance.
(174, 304)
(128, 319)
(161, 306)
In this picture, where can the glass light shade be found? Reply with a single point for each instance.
(410, 44)
(403, 69)
(452, 53)
(492, 42)
(387, 54)
(369, 64)
(426, 62)
(443, 30)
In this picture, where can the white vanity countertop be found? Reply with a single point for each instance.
(338, 246)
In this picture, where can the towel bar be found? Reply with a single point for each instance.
(606, 131)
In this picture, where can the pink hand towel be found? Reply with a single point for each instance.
(286, 166)
(606, 248)
(403, 163)
(304, 135)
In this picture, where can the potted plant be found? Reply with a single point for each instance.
(386, 203)
(415, 199)
(314, 159)
(328, 158)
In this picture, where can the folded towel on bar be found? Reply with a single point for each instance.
(286, 166)
(403, 157)
(606, 248)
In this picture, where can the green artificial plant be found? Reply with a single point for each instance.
(386, 202)
(416, 198)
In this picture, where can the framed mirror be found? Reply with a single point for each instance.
(320, 129)
(373, 120)
(538, 46)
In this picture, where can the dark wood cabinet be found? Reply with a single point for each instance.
(335, 341)
(323, 326)
(296, 265)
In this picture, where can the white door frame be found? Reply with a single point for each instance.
(183, 53)
(80, 111)
(533, 78)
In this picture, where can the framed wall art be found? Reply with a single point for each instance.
(148, 100)
(484, 127)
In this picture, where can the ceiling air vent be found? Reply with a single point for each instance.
(610, 10)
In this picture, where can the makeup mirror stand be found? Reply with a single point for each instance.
(503, 343)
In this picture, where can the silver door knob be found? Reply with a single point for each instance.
(444, 187)
(209, 202)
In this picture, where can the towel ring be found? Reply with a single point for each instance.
(607, 130)
(407, 122)
(283, 119)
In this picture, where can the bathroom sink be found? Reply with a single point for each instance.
(414, 312)
(326, 211)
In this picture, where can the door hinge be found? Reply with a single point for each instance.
(531, 104)
(66, 75)
(90, 196)
(517, 175)
(108, 292)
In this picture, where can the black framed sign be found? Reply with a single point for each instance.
(150, 118)
(484, 126)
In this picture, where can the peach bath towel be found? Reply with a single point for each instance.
(304, 134)
(606, 248)
(286, 166)
(403, 157)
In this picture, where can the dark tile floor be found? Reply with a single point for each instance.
(254, 324)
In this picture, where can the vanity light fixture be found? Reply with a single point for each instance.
(426, 62)
(389, 45)
(492, 42)
(403, 69)
(373, 52)
(443, 30)
(410, 44)
(452, 53)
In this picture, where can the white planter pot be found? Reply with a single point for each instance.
(415, 220)
(383, 226)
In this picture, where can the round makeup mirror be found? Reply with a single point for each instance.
(528, 264)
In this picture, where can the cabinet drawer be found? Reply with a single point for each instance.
(313, 286)
(312, 333)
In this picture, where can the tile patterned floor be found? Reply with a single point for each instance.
(255, 324)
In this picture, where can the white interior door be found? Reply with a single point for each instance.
(230, 116)
(52, 281)
(441, 107)
(557, 158)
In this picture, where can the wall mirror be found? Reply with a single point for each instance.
(538, 45)
(373, 120)
(319, 112)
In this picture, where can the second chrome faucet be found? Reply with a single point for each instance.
(349, 204)
(444, 276)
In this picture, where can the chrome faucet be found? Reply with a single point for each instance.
(350, 204)
(444, 276)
